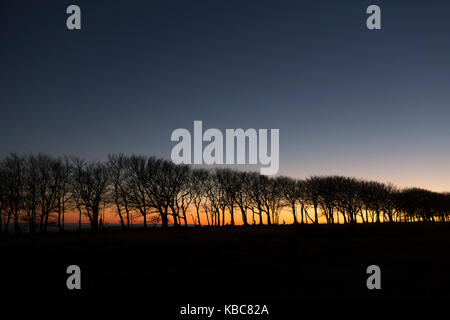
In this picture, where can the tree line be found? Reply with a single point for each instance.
(39, 189)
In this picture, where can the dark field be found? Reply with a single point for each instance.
(282, 264)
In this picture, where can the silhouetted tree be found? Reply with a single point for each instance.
(242, 199)
(37, 189)
(120, 171)
(256, 190)
(138, 175)
(13, 168)
(51, 180)
(31, 201)
(164, 181)
(90, 185)
(228, 183)
(312, 191)
(197, 189)
(63, 170)
(388, 202)
(292, 192)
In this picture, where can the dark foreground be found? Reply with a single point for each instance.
(282, 265)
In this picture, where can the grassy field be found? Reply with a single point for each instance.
(289, 264)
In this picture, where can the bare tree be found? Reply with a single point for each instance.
(31, 201)
(63, 170)
(91, 188)
(292, 192)
(242, 194)
(215, 199)
(388, 202)
(139, 174)
(228, 183)
(349, 199)
(198, 192)
(13, 168)
(257, 188)
(119, 170)
(164, 183)
(312, 191)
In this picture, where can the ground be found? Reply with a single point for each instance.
(284, 265)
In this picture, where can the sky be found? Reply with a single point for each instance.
(372, 104)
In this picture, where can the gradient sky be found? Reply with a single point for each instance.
(370, 104)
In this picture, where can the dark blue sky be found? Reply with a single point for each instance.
(372, 104)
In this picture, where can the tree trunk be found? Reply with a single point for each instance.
(294, 214)
(79, 219)
(145, 219)
(119, 212)
(8, 219)
(33, 221)
(184, 217)
(198, 216)
(46, 221)
(59, 214)
(232, 216)
(164, 220)
(63, 213)
(17, 230)
(207, 217)
(316, 219)
(268, 218)
(94, 220)
(244, 217)
(175, 219)
(128, 215)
